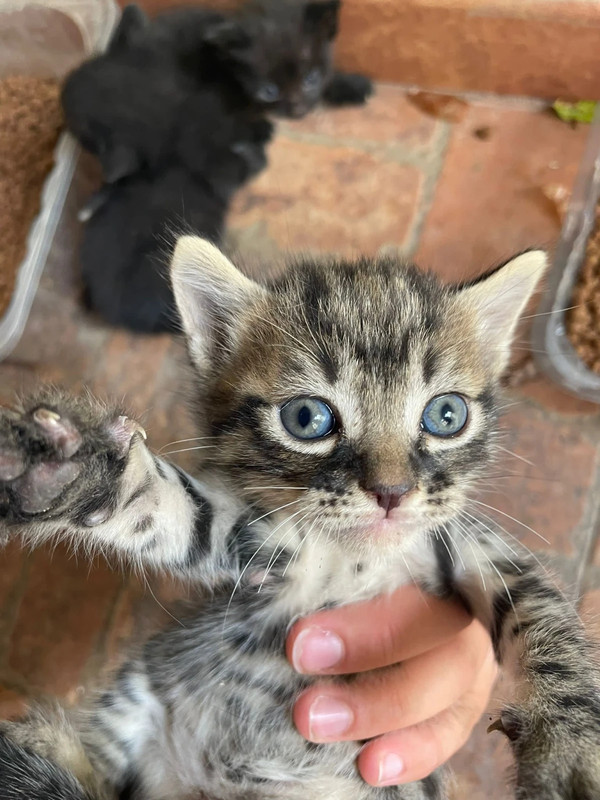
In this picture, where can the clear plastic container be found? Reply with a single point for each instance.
(47, 39)
(553, 351)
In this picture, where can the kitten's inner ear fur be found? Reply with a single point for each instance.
(496, 301)
(211, 295)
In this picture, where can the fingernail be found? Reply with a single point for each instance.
(316, 649)
(391, 768)
(328, 718)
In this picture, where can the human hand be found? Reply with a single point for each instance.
(435, 669)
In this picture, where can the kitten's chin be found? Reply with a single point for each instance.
(389, 530)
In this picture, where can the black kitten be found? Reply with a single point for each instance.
(130, 234)
(122, 105)
(270, 56)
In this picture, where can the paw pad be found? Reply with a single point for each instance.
(12, 464)
(43, 483)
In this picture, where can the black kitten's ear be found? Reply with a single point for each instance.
(211, 296)
(133, 20)
(228, 36)
(321, 16)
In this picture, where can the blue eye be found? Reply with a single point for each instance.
(307, 418)
(312, 80)
(445, 415)
(268, 93)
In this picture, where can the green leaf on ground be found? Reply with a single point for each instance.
(582, 111)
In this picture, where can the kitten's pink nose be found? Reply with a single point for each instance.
(389, 497)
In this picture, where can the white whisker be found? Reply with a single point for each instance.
(251, 559)
(514, 538)
(268, 513)
(181, 441)
(516, 455)
(497, 537)
(497, 571)
(275, 555)
(440, 536)
(504, 514)
(188, 449)
(247, 488)
(296, 552)
(463, 531)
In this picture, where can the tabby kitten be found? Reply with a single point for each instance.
(350, 408)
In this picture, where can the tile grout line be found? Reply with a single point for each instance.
(475, 98)
(418, 155)
(432, 170)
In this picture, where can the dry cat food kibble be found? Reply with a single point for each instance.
(583, 321)
(30, 121)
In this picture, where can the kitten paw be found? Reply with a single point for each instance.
(345, 89)
(58, 452)
(555, 758)
(252, 155)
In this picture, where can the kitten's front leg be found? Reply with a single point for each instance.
(554, 724)
(71, 468)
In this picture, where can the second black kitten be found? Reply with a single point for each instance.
(122, 105)
(134, 223)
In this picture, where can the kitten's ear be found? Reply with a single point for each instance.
(496, 301)
(321, 17)
(133, 20)
(228, 36)
(211, 295)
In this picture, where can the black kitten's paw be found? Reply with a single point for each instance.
(94, 203)
(347, 90)
(58, 454)
(253, 157)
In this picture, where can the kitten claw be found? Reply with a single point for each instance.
(61, 432)
(45, 417)
(496, 725)
(123, 431)
(511, 731)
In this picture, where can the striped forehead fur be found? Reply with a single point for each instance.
(373, 317)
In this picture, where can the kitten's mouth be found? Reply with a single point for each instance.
(388, 526)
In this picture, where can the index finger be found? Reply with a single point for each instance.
(375, 633)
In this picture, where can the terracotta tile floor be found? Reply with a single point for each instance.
(385, 178)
